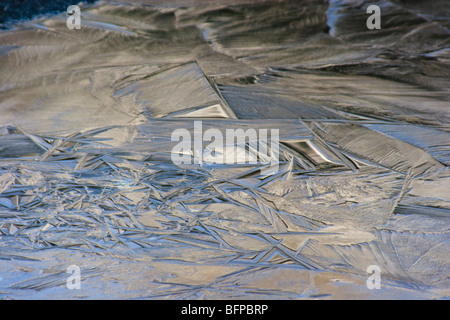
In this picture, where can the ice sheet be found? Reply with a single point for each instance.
(86, 176)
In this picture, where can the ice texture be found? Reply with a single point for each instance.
(86, 176)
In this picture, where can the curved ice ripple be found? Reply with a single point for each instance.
(86, 176)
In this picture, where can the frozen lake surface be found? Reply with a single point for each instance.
(87, 178)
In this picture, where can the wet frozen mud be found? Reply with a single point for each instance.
(87, 178)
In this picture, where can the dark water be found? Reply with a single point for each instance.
(86, 176)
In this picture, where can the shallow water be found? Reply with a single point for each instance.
(87, 178)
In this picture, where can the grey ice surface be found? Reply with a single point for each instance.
(86, 176)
